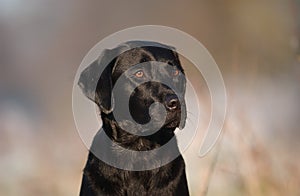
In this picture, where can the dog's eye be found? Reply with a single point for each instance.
(139, 74)
(175, 72)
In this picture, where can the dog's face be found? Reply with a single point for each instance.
(138, 67)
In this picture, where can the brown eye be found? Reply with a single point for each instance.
(175, 72)
(139, 74)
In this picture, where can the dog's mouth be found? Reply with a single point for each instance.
(174, 121)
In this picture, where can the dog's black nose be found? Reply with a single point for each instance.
(172, 102)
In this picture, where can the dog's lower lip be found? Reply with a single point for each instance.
(171, 124)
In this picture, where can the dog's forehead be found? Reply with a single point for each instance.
(132, 57)
(144, 54)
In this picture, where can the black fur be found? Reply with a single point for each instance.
(100, 178)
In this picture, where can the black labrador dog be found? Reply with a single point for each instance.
(140, 83)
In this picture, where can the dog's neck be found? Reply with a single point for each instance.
(131, 141)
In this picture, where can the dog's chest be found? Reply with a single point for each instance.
(144, 181)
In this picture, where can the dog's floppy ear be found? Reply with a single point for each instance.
(96, 83)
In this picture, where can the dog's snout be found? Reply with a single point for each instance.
(172, 102)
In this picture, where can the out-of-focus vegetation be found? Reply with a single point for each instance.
(255, 43)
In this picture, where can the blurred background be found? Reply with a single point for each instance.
(255, 43)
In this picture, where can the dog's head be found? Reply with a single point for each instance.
(135, 62)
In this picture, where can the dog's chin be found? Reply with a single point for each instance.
(172, 124)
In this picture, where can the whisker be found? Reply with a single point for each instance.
(191, 113)
(191, 121)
